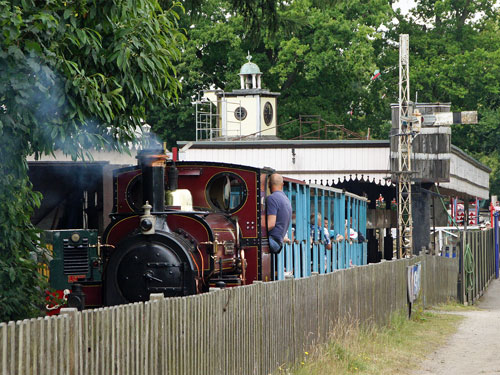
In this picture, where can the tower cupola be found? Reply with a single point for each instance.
(248, 112)
(250, 75)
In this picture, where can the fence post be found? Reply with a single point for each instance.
(73, 335)
(496, 243)
(461, 271)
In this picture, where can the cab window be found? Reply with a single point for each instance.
(226, 192)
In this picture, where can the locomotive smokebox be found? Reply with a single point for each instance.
(152, 163)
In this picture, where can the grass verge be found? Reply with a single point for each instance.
(397, 348)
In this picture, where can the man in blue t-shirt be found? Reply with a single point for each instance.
(279, 213)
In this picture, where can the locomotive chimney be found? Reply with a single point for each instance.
(173, 177)
(152, 163)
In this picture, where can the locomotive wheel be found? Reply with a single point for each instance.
(144, 264)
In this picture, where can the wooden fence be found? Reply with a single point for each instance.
(247, 330)
(477, 263)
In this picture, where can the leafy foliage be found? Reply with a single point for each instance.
(75, 74)
(454, 56)
(319, 55)
(20, 285)
(90, 65)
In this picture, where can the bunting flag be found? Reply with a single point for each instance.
(376, 74)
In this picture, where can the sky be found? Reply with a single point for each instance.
(405, 5)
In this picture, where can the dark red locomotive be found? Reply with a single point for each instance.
(207, 228)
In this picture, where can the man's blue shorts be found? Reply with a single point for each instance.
(274, 245)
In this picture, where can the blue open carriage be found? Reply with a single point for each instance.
(307, 250)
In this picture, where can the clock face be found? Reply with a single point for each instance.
(240, 113)
(268, 113)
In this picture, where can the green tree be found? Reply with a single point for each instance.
(212, 56)
(319, 55)
(325, 66)
(454, 57)
(74, 75)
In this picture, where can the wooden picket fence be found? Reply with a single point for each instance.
(247, 330)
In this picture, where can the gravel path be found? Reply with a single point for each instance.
(475, 348)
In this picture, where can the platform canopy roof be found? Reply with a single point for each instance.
(331, 162)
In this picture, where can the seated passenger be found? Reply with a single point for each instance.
(320, 233)
(330, 233)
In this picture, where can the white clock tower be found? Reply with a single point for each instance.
(248, 112)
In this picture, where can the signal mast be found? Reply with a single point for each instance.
(406, 129)
(409, 125)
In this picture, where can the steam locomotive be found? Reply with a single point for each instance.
(180, 228)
